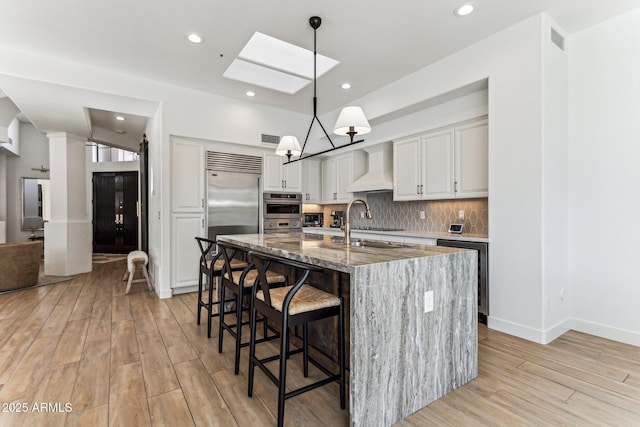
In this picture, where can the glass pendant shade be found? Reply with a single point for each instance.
(352, 120)
(288, 146)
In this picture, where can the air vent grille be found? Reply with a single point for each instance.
(270, 139)
(228, 162)
(557, 39)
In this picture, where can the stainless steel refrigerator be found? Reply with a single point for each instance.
(233, 203)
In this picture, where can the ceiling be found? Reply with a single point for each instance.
(375, 41)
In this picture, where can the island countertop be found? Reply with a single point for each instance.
(404, 353)
(323, 251)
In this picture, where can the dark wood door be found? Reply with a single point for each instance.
(115, 219)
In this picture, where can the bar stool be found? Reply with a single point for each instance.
(211, 265)
(288, 306)
(136, 260)
(241, 284)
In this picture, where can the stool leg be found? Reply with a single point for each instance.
(210, 305)
(125, 274)
(252, 347)
(236, 369)
(305, 348)
(282, 379)
(342, 355)
(131, 273)
(221, 298)
(199, 296)
(146, 276)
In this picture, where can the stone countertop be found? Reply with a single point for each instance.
(466, 237)
(319, 250)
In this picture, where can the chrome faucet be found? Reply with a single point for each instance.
(347, 225)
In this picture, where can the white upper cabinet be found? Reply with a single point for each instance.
(281, 177)
(443, 164)
(472, 160)
(339, 172)
(311, 181)
(187, 170)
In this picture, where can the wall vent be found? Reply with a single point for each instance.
(270, 139)
(228, 162)
(557, 39)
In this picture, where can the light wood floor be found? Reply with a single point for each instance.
(136, 360)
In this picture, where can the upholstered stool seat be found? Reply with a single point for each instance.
(135, 260)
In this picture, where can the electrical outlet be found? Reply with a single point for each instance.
(422, 216)
(361, 214)
(461, 215)
(428, 301)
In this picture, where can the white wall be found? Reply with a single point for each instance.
(34, 152)
(604, 178)
(555, 163)
(512, 62)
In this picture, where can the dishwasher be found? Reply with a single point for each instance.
(483, 271)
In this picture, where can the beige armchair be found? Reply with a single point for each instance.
(19, 264)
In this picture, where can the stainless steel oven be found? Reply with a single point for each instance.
(282, 212)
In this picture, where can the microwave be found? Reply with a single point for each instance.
(312, 219)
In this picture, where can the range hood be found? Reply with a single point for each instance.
(379, 176)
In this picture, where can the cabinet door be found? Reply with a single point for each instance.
(185, 254)
(344, 177)
(329, 175)
(311, 182)
(187, 171)
(292, 174)
(406, 169)
(437, 169)
(272, 171)
(472, 163)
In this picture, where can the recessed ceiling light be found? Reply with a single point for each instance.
(464, 10)
(251, 93)
(120, 118)
(346, 86)
(194, 38)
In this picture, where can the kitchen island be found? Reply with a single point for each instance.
(402, 356)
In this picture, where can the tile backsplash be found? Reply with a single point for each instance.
(406, 215)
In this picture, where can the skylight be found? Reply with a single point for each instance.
(272, 63)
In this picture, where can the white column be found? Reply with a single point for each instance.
(68, 234)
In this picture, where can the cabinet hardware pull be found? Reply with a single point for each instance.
(418, 189)
(421, 188)
(202, 222)
(202, 203)
(455, 186)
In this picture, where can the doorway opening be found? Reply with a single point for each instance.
(115, 212)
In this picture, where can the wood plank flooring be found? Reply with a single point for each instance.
(136, 360)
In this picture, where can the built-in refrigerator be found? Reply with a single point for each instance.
(233, 203)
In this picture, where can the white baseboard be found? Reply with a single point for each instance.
(550, 334)
(164, 293)
(604, 331)
(185, 289)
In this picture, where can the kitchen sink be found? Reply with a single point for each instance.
(373, 243)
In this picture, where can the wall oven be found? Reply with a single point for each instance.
(483, 272)
(282, 212)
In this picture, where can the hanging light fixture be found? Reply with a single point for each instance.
(288, 146)
(351, 120)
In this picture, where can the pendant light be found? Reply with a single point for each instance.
(351, 120)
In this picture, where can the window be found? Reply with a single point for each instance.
(104, 153)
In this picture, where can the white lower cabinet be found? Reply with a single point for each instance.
(185, 254)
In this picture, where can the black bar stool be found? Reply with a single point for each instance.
(211, 265)
(289, 306)
(241, 284)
